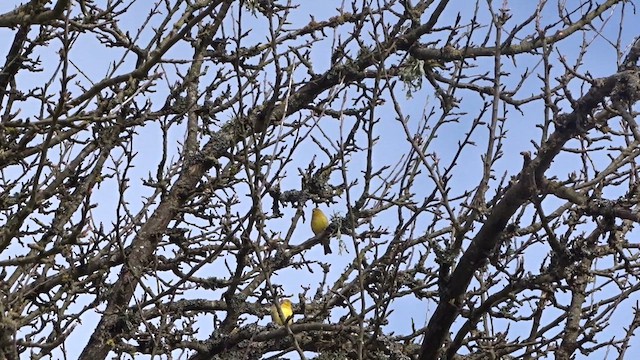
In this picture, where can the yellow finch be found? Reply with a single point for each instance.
(287, 311)
(319, 222)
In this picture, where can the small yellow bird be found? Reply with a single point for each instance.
(287, 311)
(319, 222)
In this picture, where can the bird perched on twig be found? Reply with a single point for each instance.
(319, 223)
(287, 311)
